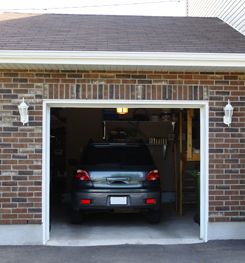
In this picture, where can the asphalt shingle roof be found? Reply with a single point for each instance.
(68, 32)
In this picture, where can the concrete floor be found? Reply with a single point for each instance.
(118, 229)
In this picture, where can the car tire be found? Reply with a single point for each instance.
(154, 216)
(76, 217)
(196, 218)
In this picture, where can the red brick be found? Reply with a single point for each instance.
(231, 192)
(36, 80)
(9, 216)
(231, 182)
(238, 197)
(128, 81)
(222, 219)
(231, 203)
(223, 197)
(35, 221)
(216, 192)
(19, 189)
(35, 200)
(20, 167)
(5, 211)
(37, 216)
(113, 81)
(238, 208)
(35, 156)
(238, 187)
(19, 210)
(29, 194)
(231, 213)
(18, 221)
(9, 195)
(216, 203)
(25, 183)
(26, 75)
(25, 205)
(27, 216)
(9, 205)
(38, 189)
(5, 222)
(91, 76)
(154, 76)
(72, 81)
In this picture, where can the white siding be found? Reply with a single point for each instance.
(230, 11)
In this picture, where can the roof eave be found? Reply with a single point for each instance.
(109, 58)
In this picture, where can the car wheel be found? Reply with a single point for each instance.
(76, 217)
(154, 216)
(197, 218)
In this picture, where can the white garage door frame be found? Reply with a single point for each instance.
(204, 138)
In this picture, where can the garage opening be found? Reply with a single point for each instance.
(70, 131)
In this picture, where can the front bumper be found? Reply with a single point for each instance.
(102, 199)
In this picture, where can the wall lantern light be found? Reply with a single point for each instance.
(122, 110)
(228, 109)
(23, 110)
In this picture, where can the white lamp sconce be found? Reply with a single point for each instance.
(23, 110)
(228, 109)
(122, 110)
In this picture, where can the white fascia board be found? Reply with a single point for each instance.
(123, 58)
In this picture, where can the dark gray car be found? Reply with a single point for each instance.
(116, 177)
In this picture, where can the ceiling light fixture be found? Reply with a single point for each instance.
(122, 110)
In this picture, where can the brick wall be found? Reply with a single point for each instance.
(21, 149)
(227, 149)
(21, 146)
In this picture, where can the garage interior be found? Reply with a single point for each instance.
(70, 131)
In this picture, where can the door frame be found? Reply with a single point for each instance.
(204, 147)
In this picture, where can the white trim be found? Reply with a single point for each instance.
(203, 105)
(46, 171)
(123, 58)
(120, 103)
(204, 183)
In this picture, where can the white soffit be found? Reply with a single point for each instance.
(126, 61)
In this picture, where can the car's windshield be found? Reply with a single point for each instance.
(117, 155)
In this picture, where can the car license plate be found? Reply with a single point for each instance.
(122, 200)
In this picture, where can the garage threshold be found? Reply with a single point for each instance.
(117, 229)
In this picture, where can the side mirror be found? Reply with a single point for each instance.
(73, 162)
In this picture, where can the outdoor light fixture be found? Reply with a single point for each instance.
(122, 110)
(228, 109)
(23, 109)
